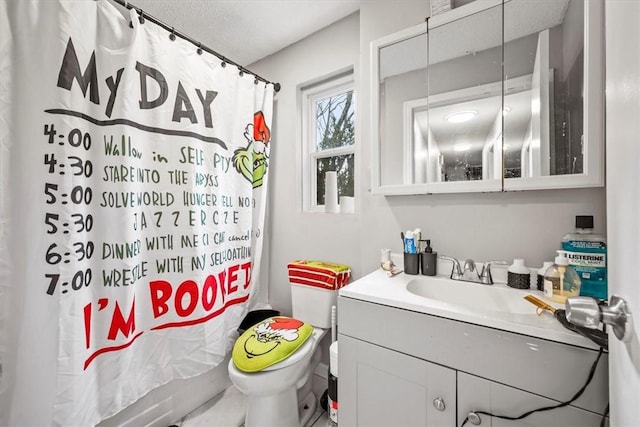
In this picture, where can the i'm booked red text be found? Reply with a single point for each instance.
(184, 304)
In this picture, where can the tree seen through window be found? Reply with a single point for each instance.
(335, 117)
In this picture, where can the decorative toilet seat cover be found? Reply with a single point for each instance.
(269, 342)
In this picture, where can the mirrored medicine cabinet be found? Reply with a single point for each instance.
(491, 96)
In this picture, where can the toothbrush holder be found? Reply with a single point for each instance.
(411, 263)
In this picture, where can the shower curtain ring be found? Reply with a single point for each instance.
(141, 19)
(199, 48)
(224, 62)
(256, 81)
(126, 4)
(241, 73)
(172, 35)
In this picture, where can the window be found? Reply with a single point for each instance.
(328, 139)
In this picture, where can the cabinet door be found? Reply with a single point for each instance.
(478, 394)
(381, 387)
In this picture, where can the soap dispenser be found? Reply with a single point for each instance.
(560, 281)
(429, 260)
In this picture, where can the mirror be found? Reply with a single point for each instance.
(462, 121)
(402, 76)
(546, 40)
(482, 106)
(460, 132)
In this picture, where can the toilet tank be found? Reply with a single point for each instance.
(314, 289)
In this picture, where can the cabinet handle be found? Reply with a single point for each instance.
(438, 403)
(474, 418)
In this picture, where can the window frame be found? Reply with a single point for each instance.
(328, 87)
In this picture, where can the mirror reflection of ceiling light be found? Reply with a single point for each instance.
(461, 116)
(463, 146)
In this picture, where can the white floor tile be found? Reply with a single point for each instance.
(227, 409)
(322, 420)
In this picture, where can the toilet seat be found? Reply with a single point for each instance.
(300, 353)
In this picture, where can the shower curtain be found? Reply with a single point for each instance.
(133, 177)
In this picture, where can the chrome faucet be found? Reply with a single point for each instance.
(485, 274)
(469, 273)
(456, 270)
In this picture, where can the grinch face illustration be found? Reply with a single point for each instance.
(268, 335)
(251, 162)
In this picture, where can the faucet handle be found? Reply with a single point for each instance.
(485, 274)
(456, 271)
(469, 265)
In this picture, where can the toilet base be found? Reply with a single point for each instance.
(279, 411)
(275, 410)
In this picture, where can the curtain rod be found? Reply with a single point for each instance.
(173, 33)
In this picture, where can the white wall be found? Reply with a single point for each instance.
(291, 234)
(487, 226)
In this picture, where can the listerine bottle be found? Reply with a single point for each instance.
(587, 256)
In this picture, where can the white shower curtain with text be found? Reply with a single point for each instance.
(133, 177)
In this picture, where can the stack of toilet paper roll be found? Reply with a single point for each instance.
(347, 204)
(331, 196)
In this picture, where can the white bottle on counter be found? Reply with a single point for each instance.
(518, 275)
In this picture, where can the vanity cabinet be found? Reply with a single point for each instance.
(393, 389)
(401, 367)
(478, 393)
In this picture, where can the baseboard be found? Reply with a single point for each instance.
(321, 370)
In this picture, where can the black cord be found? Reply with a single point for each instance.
(548, 408)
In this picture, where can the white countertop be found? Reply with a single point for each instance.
(378, 287)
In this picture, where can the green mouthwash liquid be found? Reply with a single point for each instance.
(587, 255)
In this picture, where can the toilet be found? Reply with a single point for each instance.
(281, 395)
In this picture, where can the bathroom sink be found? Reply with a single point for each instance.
(474, 296)
(494, 306)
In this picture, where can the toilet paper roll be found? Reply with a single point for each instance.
(347, 204)
(331, 192)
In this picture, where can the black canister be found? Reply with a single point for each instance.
(412, 263)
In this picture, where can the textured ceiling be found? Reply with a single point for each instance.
(246, 31)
